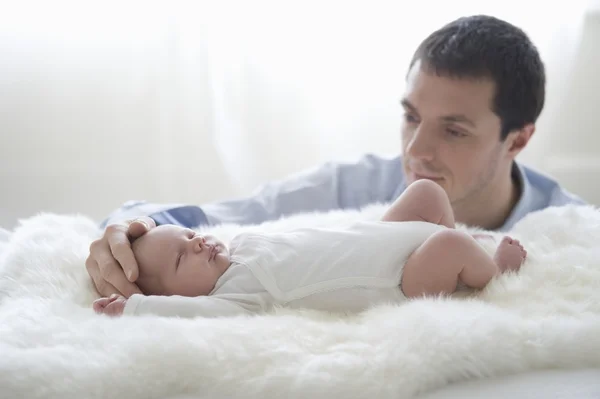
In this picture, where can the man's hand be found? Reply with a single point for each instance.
(111, 263)
(112, 306)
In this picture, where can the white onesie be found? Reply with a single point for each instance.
(345, 269)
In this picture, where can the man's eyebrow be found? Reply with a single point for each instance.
(406, 104)
(459, 119)
(449, 118)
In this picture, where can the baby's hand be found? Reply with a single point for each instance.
(112, 306)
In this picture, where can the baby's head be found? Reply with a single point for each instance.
(173, 260)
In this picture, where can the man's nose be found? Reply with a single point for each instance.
(422, 144)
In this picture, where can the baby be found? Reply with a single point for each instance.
(412, 251)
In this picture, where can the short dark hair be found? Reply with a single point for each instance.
(482, 46)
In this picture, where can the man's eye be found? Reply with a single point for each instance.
(410, 118)
(455, 133)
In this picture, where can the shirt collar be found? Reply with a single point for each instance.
(526, 197)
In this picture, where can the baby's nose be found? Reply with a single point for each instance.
(198, 243)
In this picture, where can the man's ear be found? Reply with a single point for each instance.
(517, 140)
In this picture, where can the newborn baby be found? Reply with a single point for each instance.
(413, 251)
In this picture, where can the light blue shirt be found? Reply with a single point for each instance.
(372, 179)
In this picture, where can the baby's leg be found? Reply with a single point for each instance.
(450, 256)
(423, 200)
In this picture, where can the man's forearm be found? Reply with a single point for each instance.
(328, 187)
(183, 215)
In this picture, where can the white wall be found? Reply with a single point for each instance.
(574, 153)
(102, 105)
(97, 108)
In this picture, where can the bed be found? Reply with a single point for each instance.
(4, 238)
(535, 334)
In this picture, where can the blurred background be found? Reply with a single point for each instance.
(192, 102)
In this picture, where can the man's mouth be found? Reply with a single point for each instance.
(418, 176)
(417, 173)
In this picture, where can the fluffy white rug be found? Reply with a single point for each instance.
(53, 346)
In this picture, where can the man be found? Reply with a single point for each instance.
(474, 91)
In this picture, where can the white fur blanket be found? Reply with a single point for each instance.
(52, 345)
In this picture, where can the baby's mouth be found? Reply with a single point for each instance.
(214, 250)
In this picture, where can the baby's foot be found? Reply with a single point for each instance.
(509, 255)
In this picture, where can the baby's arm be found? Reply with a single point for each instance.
(181, 306)
(169, 306)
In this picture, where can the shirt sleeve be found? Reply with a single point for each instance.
(333, 185)
(180, 306)
(177, 214)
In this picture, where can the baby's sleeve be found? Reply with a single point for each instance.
(181, 306)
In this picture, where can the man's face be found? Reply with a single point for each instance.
(450, 134)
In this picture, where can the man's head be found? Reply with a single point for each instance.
(475, 89)
(178, 261)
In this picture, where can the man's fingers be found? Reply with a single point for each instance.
(110, 258)
(140, 226)
(113, 298)
(121, 251)
(112, 274)
(136, 229)
(103, 288)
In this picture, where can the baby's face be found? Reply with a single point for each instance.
(178, 261)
